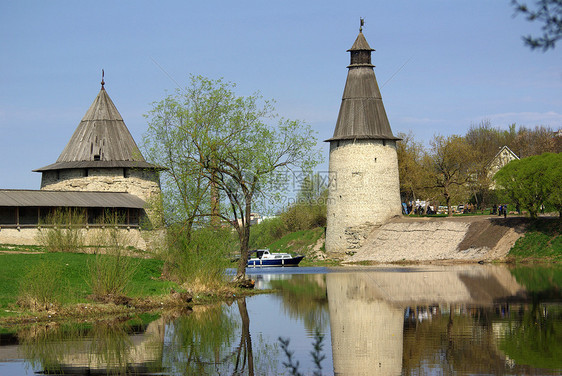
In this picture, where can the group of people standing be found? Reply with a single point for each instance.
(501, 210)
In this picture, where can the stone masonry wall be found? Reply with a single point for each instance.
(364, 191)
(29, 236)
(140, 183)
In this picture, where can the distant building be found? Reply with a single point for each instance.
(364, 191)
(100, 172)
(503, 157)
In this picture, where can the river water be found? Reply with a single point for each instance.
(430, 320)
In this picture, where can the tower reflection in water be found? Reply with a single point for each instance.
(370, 312)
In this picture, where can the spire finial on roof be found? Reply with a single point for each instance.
(102, 81)
(361, 24)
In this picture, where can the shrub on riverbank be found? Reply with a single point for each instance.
(266, 232)
(541, 242)
(111, 273)
(199, 261)
(43, 287)
(111, 270)
(61, 230)
(304, 216)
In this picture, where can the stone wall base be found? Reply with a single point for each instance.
(30, 236)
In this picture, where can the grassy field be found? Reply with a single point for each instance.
(297, 242)
(74, 276)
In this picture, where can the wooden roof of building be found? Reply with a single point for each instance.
(73, 199)
(360, 44)
(101, 140)
(362, 114)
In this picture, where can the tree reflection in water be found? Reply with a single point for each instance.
(204, 343)
(245, 346)
(199, 343)
(209, 340)
(534, 337)
(305, 297)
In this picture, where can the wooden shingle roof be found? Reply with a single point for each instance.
(74, 199)
(101, 140)
(362, 114)
(360, 44)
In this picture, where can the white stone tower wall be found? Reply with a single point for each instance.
(364, 191)
(141, 183)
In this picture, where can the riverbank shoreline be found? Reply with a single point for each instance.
(404, 241)
(444, 240)
(172, 304)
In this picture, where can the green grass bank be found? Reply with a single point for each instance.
(541, 243)
(72, 271)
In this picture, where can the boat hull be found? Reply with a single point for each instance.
(294, 261)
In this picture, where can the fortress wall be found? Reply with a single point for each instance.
(30, 236)
(137, 182)
(364, 191)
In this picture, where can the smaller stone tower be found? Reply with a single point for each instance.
(102, 156)
(364, 190)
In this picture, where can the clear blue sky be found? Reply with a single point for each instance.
(465, 62)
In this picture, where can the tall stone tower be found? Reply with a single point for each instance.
(102, 156)
(364, 190)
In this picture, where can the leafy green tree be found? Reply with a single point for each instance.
(309, 210)
(313, 190)
(554, 181)
(547, 12)
(410, 166)
(450, 167)
(232, 143)
(185, 191)
(530, 182)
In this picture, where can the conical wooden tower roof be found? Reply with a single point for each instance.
(362, 114)
(101, 140)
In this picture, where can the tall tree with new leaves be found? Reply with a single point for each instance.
(185, 191)
(232, 143)
(450, 166)
(410, 167)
